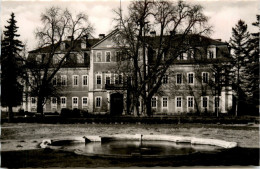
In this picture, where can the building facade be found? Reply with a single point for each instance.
(99, 87)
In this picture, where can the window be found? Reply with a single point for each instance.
(180, 57)
(75, 80)
(165, 79)
(98, 57)
(80, 58)
(33, 100)
(98, 101)
(108, 79)
(54, 81)
(74, 102)
(118, 56)
(190, 78)
(63, 102)
(108, 56)
(204, 102)
(55, 59)
(216, 102)
(84, 80)
(205, 77)
(118, 79)
(210, 54)
(33, 81)
(53, 102)
(184, 56)
(63, 80)
(84, 102)
(165, 102)
(153, 102)
(190, 101)
(179, 79)
(191, 54)
(178, 101)
(38, 58)
(98, 79)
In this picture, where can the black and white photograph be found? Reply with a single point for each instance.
(129, 83)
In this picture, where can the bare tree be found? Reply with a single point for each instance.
(150, 57)
(57, 25)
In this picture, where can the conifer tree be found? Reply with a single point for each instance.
(240, 45)
(253, 69)
(11, 89)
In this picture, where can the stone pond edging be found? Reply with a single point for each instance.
(177, 139)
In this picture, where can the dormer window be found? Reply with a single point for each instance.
(38, 58)
(83, 44)
(62, 46)
(57, 58)
(191, 54)
(211, 53)
(80, 58)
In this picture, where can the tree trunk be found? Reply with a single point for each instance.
(40, 105)
(148, 106)
(10, 113)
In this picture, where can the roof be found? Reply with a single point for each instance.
(109, 35)
(191, 39)
(89, 44)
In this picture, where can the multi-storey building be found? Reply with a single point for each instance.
(95, 84)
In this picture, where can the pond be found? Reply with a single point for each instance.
(133, 148)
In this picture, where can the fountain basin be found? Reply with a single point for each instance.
(139, 145)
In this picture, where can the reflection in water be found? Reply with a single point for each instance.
(158, 148)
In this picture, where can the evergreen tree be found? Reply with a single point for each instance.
(240, 45)
(253, 69)
(10, 48)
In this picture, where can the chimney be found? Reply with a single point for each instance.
(101, 36)
(153, 33)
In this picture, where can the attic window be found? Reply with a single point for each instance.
(38, 58)
(62, 46)
(83, 44)
(211, 53)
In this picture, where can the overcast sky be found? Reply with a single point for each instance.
(223, 15)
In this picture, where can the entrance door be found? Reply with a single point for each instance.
(116, 104)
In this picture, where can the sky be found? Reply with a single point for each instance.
(223, 15)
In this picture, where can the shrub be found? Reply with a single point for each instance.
(75, 113)
(84, 113)
(65, 112)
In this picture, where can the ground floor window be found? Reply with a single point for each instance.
(190, 102)
(178, 102)
(75, 102)
(153, 102)
(165, 102)
(53, 102)
(84, 102)
(63, 102)
(33, 101)
(204, 102)
(98, 102)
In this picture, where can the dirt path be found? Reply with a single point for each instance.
(27, 136)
